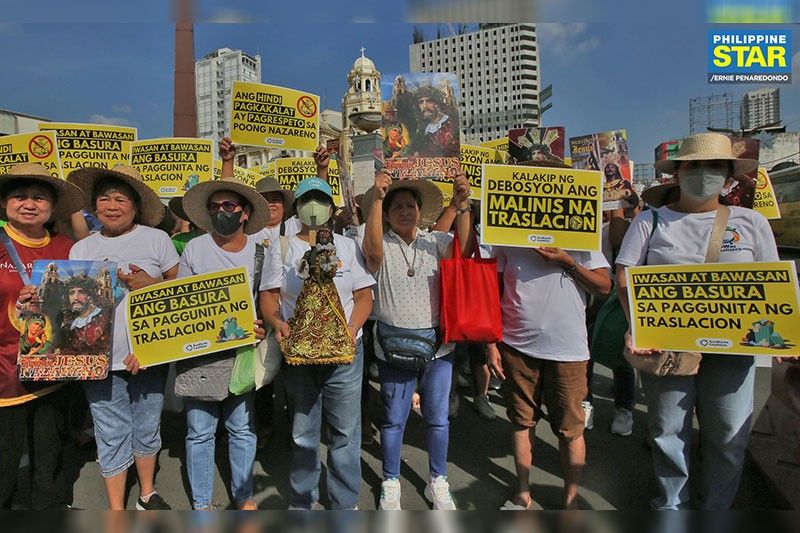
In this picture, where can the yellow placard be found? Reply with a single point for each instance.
(192, 316)
(30, 148)
(472, 160)
(729, 308)
(245, 175)
(289, 171)
(334, 180)
(266, 170)
(172, 165)
(765, 201)
(91, 145)
(499, 144)
(273, 116)
(534, 206)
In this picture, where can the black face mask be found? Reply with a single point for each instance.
(226, 223)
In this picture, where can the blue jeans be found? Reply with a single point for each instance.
(126, 410)
(201, 419)
(722, 395)
(332, 392)
(397, 387)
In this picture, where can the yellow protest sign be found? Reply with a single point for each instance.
(269, 115)
(91, 145)
(535, 206)
(334, 180)
(289, 171)
(499, 144)
(245, 175)
(192, 316)
(733, 308)
(171, 166)
(30, 148)
(765, 201)
(266, 170)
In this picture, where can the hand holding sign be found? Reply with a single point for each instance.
(461, 190)
(137, 278)
(322, 157)
(382, 182)
(557, 256)
(227, 150)
(631, 350)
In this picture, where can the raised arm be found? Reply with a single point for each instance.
(227, 151)
(372, 247)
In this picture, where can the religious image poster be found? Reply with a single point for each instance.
(66, 329)
(420, 125)
(607, 152)
(544, 145)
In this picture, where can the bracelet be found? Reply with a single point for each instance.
(464, 210)
(571, 269)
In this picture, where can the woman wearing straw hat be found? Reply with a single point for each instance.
(229, 211)
(404, 258)
(126, 406)
(721, 393)
(32, 412)
(317, 392)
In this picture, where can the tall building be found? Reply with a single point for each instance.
(214, 77)
(498, 73)
(760, 108)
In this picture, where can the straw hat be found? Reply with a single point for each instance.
(268, 185)
(432, 200)
(656, 196)
(152, 210)
(68, 200)
(195, 203)
(706, 147)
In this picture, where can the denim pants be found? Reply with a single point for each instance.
(237, 412)
(126, 410)
(332, 392)
(397, 387)
(722, 396)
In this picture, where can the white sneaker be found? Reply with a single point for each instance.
(623, 422)
(438, 493)
(390, 495)
(588, 415)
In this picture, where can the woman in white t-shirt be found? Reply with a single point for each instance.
(229, 211)
(126, 406)
(405, 260)
(317, 392)
(721, 394)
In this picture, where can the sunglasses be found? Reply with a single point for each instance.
(229, 206)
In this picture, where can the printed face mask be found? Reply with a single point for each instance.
(314, 213)
(226, 223)
(702, 184)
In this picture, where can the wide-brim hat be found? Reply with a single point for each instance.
(176, 207)
(268, 185)
(195, 204)
(432, 200)
(151, 208)
(656, 196)
(68, 200)
(706, 147)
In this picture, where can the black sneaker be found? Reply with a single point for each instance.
(154, 503)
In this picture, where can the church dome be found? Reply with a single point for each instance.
(363, 64)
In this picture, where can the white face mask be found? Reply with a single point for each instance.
(701, 184)
(314, 213)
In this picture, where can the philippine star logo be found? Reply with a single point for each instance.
(739, 56)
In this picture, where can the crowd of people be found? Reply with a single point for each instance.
(385, 273)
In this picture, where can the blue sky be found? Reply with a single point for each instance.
(630, 66)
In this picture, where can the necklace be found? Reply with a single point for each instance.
(410, 272)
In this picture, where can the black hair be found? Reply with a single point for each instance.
(387, 201)
(22, 183)
(109, 184)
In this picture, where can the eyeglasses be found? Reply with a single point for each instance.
(229, 206)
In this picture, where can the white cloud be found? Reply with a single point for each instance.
(111, 121)
(229, 16)
(122, 108)
(566, 40)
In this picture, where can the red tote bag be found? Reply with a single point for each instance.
(470, 297)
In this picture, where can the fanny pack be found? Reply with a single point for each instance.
(409, 349)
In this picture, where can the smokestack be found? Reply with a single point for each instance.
(184, 114)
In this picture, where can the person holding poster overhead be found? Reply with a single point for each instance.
(30, 412)
(126, 406)
(317, 390)
(229, 211)
(404, 258)
(721, 393)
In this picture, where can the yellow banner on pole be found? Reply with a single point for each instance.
(172, 165)
(335, 181)
(728, 308)
(765, 201)
(289, 171)
(266, 170)
(499, 144)
(535, 206)
(245, 175)
(193, 316)
(91, 145)
(273, 116)
(30, 148)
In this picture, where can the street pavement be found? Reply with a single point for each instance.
(480, 470)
